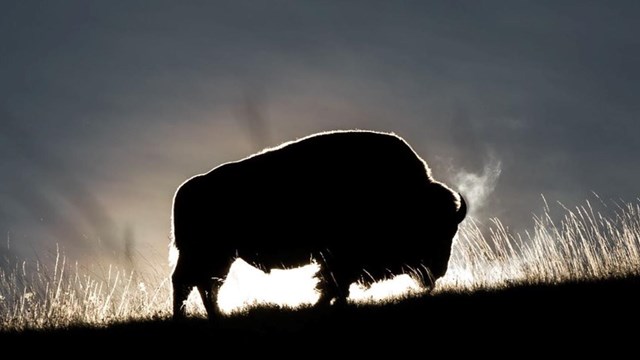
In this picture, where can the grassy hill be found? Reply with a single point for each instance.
(572, 284)
(603, 310)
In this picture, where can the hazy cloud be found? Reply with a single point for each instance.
(106, 107)
(477, 187)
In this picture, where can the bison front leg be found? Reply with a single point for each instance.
(334, 289)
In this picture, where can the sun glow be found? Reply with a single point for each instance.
(246, 286)
(395, 287)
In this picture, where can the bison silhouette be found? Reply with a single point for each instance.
(354, 201)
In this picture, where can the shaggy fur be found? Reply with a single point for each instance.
(352, 200)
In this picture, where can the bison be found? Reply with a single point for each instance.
(354, 201)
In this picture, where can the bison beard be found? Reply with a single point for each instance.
(352, 200)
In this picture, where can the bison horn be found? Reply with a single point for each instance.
(462, 211)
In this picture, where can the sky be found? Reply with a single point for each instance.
(106, 107)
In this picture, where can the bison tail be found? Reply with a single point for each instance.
(174, 254)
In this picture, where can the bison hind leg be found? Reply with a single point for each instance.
(209, 294)
(183, 281)
(181, 291)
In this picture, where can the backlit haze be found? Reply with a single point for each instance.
(107, 107)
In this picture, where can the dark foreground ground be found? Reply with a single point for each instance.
(589, 318)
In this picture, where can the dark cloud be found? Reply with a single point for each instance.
(107, 106)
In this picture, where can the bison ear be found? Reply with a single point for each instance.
(462, 210)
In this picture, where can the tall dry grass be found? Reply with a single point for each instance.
(583, 244)
(34, 295)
